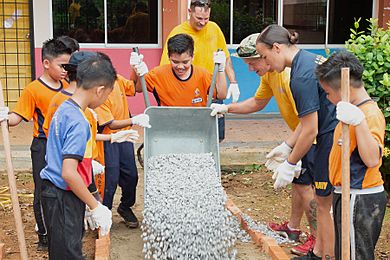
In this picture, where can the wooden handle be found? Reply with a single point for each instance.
(12, 184)
(345, 182)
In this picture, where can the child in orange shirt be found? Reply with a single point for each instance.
(366, 129)
(33, 103)
(120, 166)
(65, 94)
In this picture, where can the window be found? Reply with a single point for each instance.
(249, 16)
(133, 21)
(307, 17)
(340, 21)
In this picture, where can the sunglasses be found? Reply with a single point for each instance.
(246, 54)
(69, 67)
(200, 3)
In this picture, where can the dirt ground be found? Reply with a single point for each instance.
(251, 190)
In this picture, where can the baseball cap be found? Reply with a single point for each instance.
(78, 57)
(247, 47)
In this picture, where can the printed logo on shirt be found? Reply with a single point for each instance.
(197, 92)
(197, 100)
(321, 185)
(320, 59)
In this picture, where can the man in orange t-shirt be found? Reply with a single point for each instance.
(180, 83)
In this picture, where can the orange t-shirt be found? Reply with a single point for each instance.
(56, 101)
(115, 107)
(34, 102)
(169, 90)
(361, 176)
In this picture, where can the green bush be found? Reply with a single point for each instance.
(372, 48)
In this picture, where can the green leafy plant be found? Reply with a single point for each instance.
(372, 48)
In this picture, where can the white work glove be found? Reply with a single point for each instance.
(97, 168)
(102, 217)
(141, 69)
(297, 171)
(88, 220)
(4, 113)
(125, 136)
(219, 109)
(349, 114)
(141, 120)
(220, 58)
(279, 154)
(233, 92)
(284, 174)
(135, 59)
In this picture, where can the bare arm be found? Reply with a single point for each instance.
(221, 85)
(14, 119)
(118, 124)
(230, 71)
(367, 145)
(292, 139)
(76, 183)
(308, 132)
(248, 106)
(103, 137)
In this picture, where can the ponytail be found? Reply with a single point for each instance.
(277, 34)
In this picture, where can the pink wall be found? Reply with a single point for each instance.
(120, 59)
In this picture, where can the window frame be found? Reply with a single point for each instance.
(108, 45)
(280, 22)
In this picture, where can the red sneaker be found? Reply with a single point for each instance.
(305, 247)
(285, 231)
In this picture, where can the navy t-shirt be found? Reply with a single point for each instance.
(308, 95)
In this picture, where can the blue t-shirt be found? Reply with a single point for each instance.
(69, 137)
(308, 95)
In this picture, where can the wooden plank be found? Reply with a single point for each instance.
(345, 181)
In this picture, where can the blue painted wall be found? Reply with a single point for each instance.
(249, 81)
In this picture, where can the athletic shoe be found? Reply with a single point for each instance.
(128, 216)
(285, 231)
(42, 243)
(305, 247)
(310, 256)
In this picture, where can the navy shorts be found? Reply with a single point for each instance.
(321, 165)
(306, 177)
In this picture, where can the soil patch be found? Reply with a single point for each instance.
(252, 191)
(8, 234)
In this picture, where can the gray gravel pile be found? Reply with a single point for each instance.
(184, 214)
(264, 229)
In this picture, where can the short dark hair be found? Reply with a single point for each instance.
(181, 43)
(53, 48)
(277, 34)
(69, 42)
(330, 70)
(94, 72)
(206, 4)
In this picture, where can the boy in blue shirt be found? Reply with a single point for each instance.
(67, 175)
